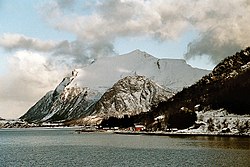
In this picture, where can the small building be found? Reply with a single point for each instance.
(140, 128)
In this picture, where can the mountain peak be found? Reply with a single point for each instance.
(81, 89)
(66, 81)
(129, 96)
(138, 52)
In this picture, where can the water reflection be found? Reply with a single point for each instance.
(65, 148)
(217, 142)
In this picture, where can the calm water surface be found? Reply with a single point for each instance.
(63, 147)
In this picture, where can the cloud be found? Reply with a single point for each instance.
(78, 51)
(223, 29)
(29, 76)
(209, 44)
(16, 41)
(222, 25)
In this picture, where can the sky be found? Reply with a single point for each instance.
(42, 40)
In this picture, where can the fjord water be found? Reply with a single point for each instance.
(64, 147)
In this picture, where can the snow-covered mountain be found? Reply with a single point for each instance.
(130, 96)
(77, 94)
(169, 73)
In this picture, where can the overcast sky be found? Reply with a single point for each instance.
(42, 40)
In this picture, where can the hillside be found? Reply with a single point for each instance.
(226, 87)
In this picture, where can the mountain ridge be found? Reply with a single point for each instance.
(137, 63)
(81, 89)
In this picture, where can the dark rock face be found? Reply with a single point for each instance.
(40, 109)
(71, 103)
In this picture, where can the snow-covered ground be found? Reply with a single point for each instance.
(15, 124)
(219, 122)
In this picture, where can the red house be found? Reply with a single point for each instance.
(140, 127)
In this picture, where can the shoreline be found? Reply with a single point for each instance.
(122, 132)
(179, 134)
